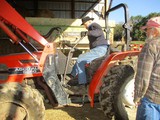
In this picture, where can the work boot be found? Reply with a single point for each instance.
(73, 82)
(76, 90)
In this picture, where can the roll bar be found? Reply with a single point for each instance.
(126, 25)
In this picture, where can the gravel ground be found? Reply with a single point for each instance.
(83, 113)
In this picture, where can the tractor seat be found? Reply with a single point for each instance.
(92, 67)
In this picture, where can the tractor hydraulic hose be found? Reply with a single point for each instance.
(51, 31)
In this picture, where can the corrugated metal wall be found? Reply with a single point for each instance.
(60, 8)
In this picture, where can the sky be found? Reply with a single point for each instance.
(135, 7)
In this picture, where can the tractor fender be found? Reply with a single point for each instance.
(109, 61)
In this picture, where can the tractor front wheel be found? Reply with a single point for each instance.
(19, 102)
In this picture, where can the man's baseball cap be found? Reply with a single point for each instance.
(85, 19)
(153, 22)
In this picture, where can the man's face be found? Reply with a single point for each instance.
(149, 32)
(86, 24)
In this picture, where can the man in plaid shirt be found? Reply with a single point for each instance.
(147, 80)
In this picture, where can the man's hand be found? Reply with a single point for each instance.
(84, 33)
(137, 101)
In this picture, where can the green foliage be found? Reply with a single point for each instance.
(118, 32)
(137, 22)
(137, 42)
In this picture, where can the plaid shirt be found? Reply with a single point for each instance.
(147, 80)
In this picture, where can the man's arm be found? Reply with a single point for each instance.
(144, 70)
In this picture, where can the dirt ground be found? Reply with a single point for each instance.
(83, 113)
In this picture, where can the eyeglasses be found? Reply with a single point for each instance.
(147, 29)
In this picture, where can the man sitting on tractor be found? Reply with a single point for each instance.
(98, 48)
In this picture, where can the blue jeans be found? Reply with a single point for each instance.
(83, 59)
(148, 110)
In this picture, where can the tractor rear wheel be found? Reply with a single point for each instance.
(111, 97)
(19, 102)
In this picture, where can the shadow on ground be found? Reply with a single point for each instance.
(75, 113)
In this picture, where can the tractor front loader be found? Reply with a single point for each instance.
(17, 70)
(23, 75)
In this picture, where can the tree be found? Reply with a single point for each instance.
(138, 22)
(118, 32)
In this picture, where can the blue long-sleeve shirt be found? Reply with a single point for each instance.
(96, 36)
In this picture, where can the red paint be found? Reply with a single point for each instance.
(103, 69)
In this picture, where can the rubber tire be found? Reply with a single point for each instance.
(25, 98)
(120, 111)
(108, 90)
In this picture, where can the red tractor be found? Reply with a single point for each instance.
(25, 75)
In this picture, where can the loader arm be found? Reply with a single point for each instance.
(9, 14)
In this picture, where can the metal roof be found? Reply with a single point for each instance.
(60, 8)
